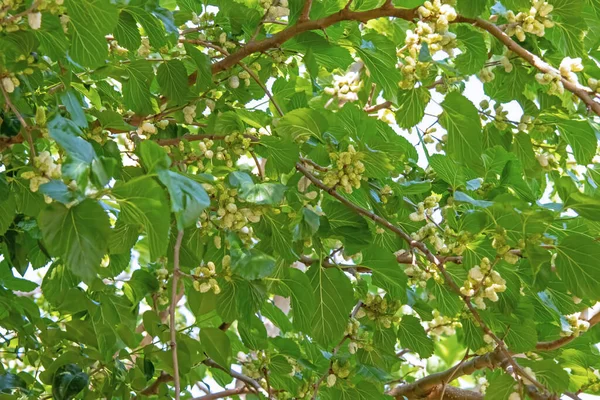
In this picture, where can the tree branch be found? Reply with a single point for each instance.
(433, 259)
(310, 25)
(555, 344)
(247, 380)
(223, 394)
(11, 18)
(578, 90)
(153, 388)
(304, 14)
(426, 385)
(174, 301)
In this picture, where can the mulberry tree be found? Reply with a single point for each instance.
(299, 199)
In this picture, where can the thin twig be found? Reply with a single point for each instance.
(451, 377)
(262, 86)
(174, 301)
(259, 168)
(11, 18)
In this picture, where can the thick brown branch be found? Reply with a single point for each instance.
(310, 25)
(426, 385)
(578, 90)
(453, 393)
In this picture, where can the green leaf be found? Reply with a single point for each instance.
(254, 334)
(253, 264)
(302, 299)
(387, 273)
(127, 32)
(465, 139)
(472, 8)
(8, 210)
(301, 124)
(522, 336)
(507, 86)
(501, 387)
(10, 381)
(411, 106)
(188, 197)
(263, 193)
(580, 135)
(90, 21)
(412, 336)
(334, 298)
(473, 58)
(325, 53)
(77, 234)
(281, 154)
(153, 27)
(68, 381)
(136, 90)
(144, 203)
(203, 66)
(379, 55)
(448, 170)
(71, 102)
(68, 136)
(216, 344)
(577, 265)
(550, 374)
(173, 80)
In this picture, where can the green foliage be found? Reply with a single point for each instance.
(341, 207)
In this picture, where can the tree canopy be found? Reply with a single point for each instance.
(299, 199)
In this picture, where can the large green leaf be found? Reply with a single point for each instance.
(387, 273)
(580, 135)
(188, 197)
(302, 299)
(379, 55)
(90, 20)
(144, 203)
(68, 381)
(411, 106)
(578, 267)
(301, 124)
(465, 139)
(334, 298)
(78, 234)
(325, 53)
(173, 81)
(501, 387)
(136, 90)
(216, 344)
(473, 58)
(412, 336)
(281, 154)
